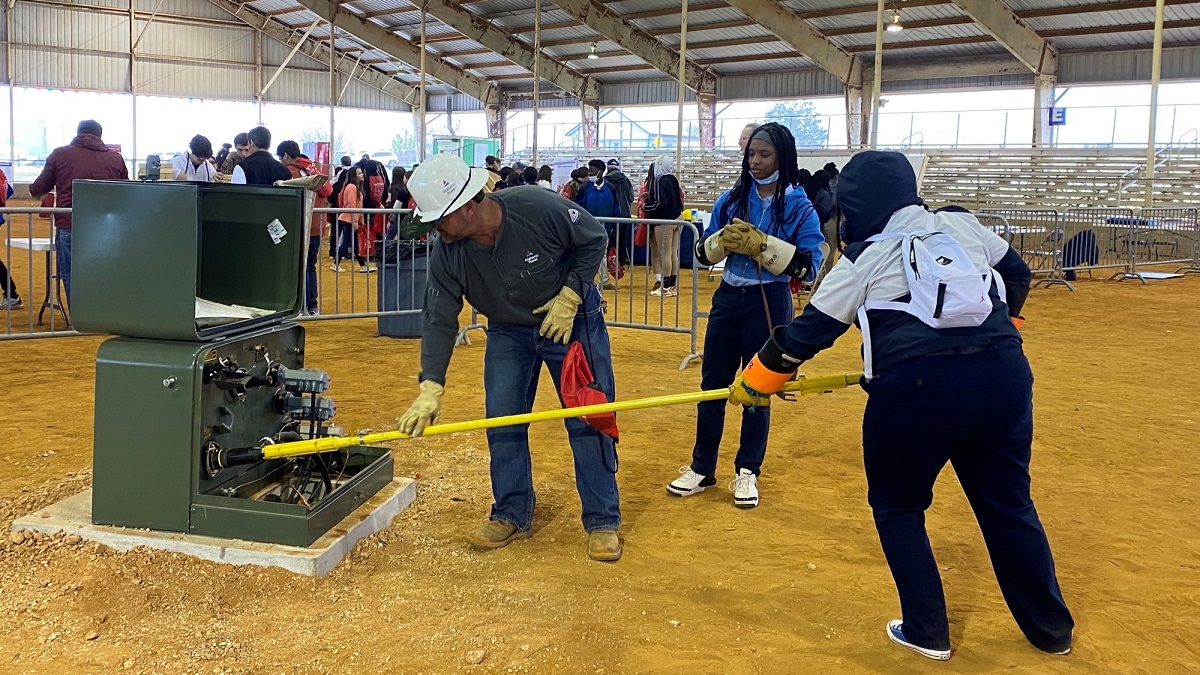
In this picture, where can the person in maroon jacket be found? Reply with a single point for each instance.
(86, 158)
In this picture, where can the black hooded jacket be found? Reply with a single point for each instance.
(872, 188)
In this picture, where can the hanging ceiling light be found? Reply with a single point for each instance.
(592, 52)
(895, 26)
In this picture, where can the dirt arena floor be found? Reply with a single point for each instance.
(798, 585)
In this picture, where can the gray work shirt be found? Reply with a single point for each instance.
(545, 242)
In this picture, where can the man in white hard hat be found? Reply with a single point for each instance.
(525, 258)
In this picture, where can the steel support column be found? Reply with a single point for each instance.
(1155, 76)
(706, 105)
(496, 113)
(857, 126)
(590, 111)
(1043, 101)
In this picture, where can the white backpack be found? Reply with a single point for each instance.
(946, 289)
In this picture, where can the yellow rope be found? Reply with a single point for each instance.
(803, 385)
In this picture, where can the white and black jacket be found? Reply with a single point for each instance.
(872, 271)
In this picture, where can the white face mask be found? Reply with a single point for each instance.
(594, 179)
(769, 179)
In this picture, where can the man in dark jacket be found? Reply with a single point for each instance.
(260, 167)
(86, 158)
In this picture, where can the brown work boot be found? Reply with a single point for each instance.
(496, 534)
(605, 546)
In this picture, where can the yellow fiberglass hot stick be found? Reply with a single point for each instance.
(802, 385)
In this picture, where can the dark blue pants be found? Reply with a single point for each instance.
(310, 272)
(737, 329)
(975, 411)
(512, 364)
(345, 242)
(62, 254)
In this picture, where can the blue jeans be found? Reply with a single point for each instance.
(62, 255)
(927, 411)
(737, 329)
(345, 242)
(310, 273)
(511, 365)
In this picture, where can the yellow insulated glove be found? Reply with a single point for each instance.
(744, 238)
(560, 315)
(741, 393)
(424, 411)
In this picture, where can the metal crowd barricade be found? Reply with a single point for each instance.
(1193, 229)
(1037, 235)
(996, 223)
(1099, 238)
(463, 337)
(32, 276)
(629, 298)
(1166, 236)
(344, 284)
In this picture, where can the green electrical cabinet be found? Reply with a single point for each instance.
(201, 282)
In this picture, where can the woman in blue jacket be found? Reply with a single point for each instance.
(767, 232)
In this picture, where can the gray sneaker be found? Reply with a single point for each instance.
(11, 303)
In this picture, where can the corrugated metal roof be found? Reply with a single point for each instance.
(918, 35)
(794, 84)
(491, 7)
(696, 20)
(696, 40)
(911, 17)
(764, 65)
(779, 49)
(176, 78)
(375, 6)
(69, 70)
(1126, 40)
(523, 20)
(103, 34)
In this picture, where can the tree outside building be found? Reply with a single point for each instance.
(809, 128)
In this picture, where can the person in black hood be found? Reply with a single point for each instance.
(623, 189)
(961, 394)
(819, 194)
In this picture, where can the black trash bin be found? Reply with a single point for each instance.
(402, 287)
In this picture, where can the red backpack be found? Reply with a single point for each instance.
(375, 188)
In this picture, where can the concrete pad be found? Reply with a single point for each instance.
(73, 515)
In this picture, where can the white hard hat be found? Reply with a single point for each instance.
(442, 184)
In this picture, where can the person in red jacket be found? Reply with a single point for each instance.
(86, 158)
(299, 165)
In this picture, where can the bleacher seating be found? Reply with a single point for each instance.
(979, 178)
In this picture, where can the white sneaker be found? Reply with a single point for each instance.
(336, 268)
(11, 303)
(895, 632)
(672, 292)
(745, 489)
(363, 269)
(689, 483)
(660, 291)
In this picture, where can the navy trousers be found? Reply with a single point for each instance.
(976, 411)
(737, 329)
